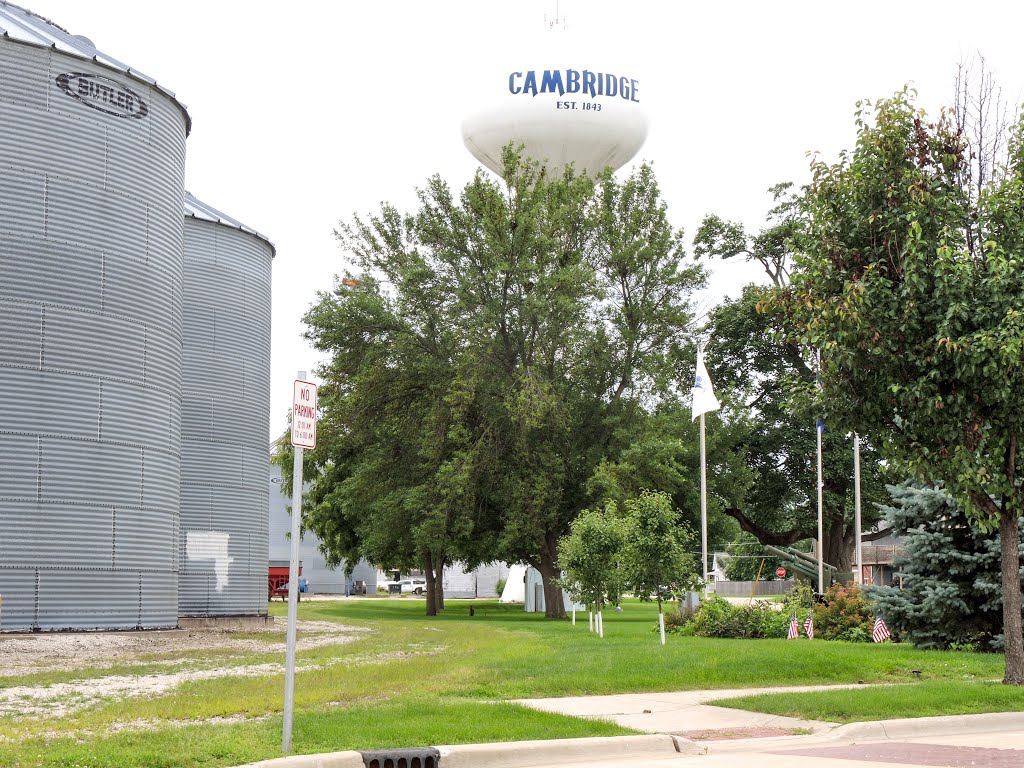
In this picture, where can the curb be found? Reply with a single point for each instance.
(325, 760)
(517, 754)
(884, 730)
(913, 727)
(524, 754)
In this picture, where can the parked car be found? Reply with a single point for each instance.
(408, 586)
(414, 586)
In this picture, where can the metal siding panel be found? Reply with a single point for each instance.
(19, 468)
(194, 593)
(69, 153)
(161, 484)
(163, 360)
(23, 75)
(89, 215)
(134, 414)
(197, 417)
(48, 272)
(135, 289)
(18, 586)
(23, 546)
(86, 342)
(141, 538)
(90, 599)
(159, 606)
(90, 472)
(201, 456)
(21, 333)
(256, 470)
(47, 403)
(21, 202)
(235, 509)
(230, 330)
(176, 422)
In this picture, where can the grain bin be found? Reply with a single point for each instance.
(225, 416)
(92, 157)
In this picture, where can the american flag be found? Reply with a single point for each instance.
(809, 626)
(880, 632)
(794, 628)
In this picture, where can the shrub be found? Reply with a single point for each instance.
(799, 598)
(717, 617)
(844, 614)
(676, 620)
(499, 585)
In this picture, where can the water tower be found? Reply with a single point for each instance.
(562, 102)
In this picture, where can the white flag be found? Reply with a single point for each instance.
(704, 399)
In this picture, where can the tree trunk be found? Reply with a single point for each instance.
(838, 545)
(428, 572)
(439, 583)
(554, 608)
(1009, 544)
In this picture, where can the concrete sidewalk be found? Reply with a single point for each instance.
(685, 732)
(687, 713)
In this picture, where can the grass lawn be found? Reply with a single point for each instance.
(416, 680)
(925, 699)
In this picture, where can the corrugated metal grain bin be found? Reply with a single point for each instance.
(225, 416)
(92, 158)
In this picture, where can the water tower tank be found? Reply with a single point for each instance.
(563, 103)
(92, 160)
(225, 416)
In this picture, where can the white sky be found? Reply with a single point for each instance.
(306, 113)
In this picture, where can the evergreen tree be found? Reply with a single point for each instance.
(951, 583)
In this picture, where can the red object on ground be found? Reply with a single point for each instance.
(277, 579)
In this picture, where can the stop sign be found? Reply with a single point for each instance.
(780, 572)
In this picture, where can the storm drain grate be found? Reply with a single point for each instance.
(420, 757)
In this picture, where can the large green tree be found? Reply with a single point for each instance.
(910, 285)
(493, 349)
(762, 373)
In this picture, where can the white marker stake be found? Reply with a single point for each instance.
(303, 436)
(590, 620)
(574, 614)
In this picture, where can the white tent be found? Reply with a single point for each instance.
(515, 585)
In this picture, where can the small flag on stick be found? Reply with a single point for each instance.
(703, 395)
(880, 632)
(809, 626)
(794, 628)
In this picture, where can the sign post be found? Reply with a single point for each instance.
(303, 436)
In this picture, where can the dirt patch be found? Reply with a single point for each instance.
(59, 651)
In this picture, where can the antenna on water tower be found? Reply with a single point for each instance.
(557, 21)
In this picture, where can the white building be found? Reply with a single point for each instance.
(322, 578)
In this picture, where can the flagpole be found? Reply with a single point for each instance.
(703, 506)
(703, 399)
(821, 528)
(856, 507)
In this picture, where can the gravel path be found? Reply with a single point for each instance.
(28, 654)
